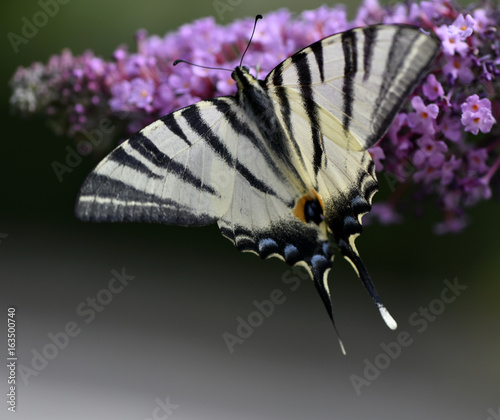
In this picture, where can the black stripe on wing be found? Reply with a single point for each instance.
(172, 124)
(350, 69)
(103, 199)
(310, 106)
(284, 106)
(121, 157)
(239, 125)
(195, 121)
(397, 56)
(402, 43)
(370, 36)
(147, 149)
(317, 49)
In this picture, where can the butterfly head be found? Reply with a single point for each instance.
(241, 75)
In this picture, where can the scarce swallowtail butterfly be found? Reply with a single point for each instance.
(282, 167)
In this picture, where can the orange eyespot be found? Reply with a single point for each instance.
(300, 207)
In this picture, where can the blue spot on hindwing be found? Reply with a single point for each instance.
(360, 205)
(292, 254)
(320, 264)
(267, 246)
(351, 226)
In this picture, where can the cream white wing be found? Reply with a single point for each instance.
(351, 85)
(177, 170)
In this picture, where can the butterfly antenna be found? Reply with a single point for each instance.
(250, 41)
(355, 260)
(199, 65)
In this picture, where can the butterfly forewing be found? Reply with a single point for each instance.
(173, 171)
(356, 80)
(191, 167)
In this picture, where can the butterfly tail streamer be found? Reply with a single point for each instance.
(353, 257)
(319, 273)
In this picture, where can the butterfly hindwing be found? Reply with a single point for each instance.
(336, 98)
(260, 217)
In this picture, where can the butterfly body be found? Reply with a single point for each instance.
(282, 167)
(258, 105)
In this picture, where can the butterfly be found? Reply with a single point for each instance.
(282, 167)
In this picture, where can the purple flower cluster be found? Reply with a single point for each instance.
(442, 145)
(443, 142)
(64, 89)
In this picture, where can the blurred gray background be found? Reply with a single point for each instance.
(156, 349)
